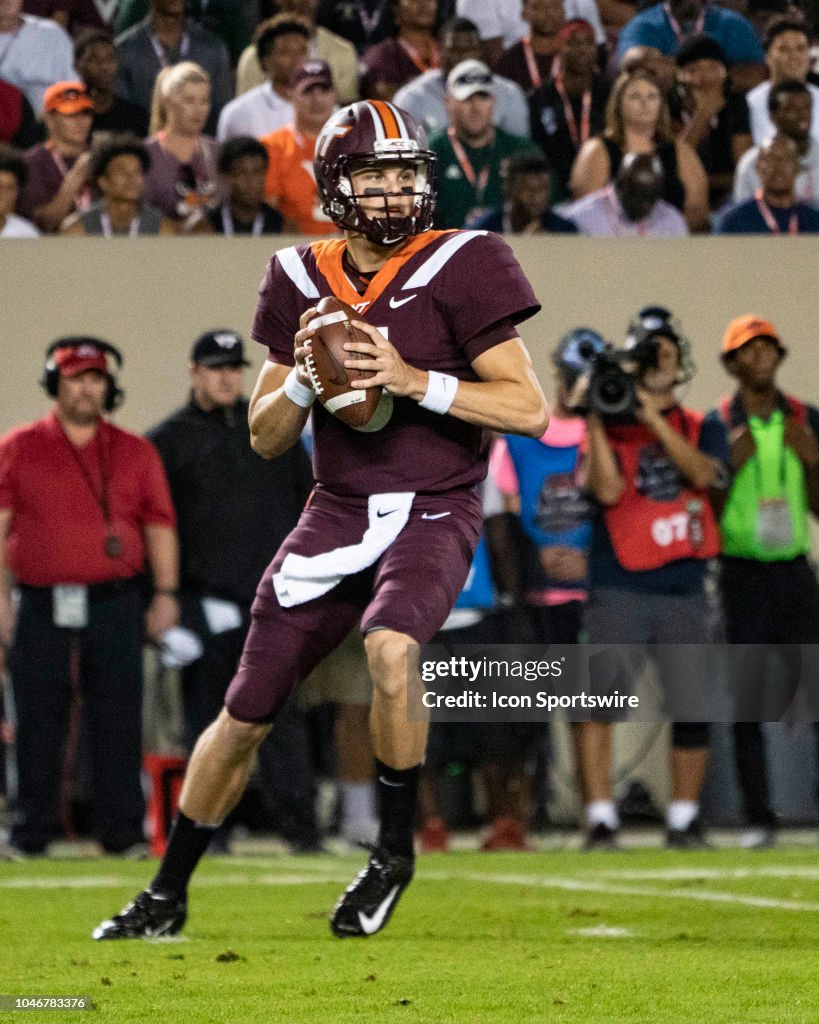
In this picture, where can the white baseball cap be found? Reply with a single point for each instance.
(469, 77)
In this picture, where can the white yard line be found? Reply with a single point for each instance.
(202, 882)
(580, 885)
(602, 931)
(77, 882)
(315, 876)
(680, 874)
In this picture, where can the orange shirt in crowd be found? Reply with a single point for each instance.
(290, 184)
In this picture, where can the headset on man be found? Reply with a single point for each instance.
(114, 395)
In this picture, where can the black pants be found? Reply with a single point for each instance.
(285, 761)
(108, 656)
(764, 603)
(556, 624)
(508, 744)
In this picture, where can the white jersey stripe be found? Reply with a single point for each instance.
(402, 127)
(378, 124)
(425, 273)
(291, 264)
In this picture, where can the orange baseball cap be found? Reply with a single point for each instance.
(744, 329)
(67, 98)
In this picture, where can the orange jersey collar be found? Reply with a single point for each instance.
(329, 255)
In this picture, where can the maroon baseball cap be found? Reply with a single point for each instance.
(310, 73)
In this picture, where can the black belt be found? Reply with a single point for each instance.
(96, 591)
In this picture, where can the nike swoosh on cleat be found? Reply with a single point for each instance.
(401, 302)
(386, 782)
(370, 925)
(435, 515)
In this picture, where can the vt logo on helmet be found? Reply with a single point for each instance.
(374, 133)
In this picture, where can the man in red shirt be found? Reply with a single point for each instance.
(83, 505)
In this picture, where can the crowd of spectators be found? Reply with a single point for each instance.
(584, 84)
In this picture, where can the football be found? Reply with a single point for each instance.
(362, 409)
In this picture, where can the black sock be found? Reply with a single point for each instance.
(186, 844)
(397, 791)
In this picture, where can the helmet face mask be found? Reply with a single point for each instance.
(374, 134)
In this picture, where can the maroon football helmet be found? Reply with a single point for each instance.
(373, 132)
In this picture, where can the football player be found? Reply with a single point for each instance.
(400, 504)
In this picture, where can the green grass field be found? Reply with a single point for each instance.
(640, 936)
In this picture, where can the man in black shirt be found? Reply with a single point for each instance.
(570, 106)
(96, 62)
(363, 22)
(243, 166)
(526, 210)
(708, 115)
(233, 510)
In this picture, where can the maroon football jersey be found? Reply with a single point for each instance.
(440, 301)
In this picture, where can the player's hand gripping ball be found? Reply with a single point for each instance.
(365, 409)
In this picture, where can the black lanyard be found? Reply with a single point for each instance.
(113, 543)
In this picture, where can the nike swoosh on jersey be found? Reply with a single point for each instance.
(435, 515)
(401, 302)
(381, 515)
(370, 925)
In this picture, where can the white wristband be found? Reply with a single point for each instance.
(297, 392)
(440, 392)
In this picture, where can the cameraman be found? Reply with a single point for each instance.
(650, 469)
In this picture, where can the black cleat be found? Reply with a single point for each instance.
(602, 837)
(691, 838)
(150, 916)
(369, 901)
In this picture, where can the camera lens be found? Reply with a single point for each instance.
(611, 390)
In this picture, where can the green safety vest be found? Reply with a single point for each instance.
(772, 472)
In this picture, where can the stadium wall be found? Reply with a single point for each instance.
(152, 297)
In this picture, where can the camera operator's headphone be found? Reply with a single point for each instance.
(652, 320)
(49, 382)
